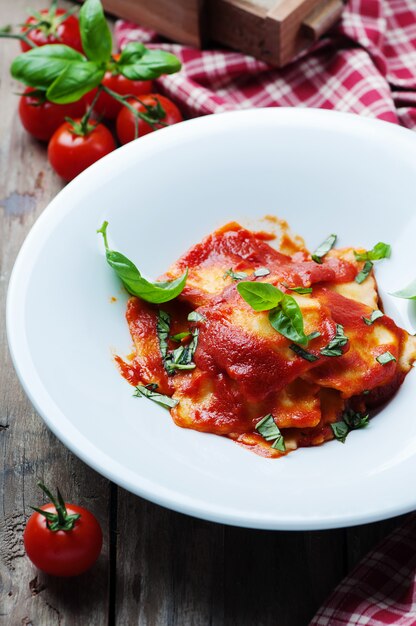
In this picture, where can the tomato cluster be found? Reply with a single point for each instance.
(130, 106)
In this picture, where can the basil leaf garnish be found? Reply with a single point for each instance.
(75, 81)
(40, 66)
(194, 316)
(361, 276)
(409, 292)
(379, 251)
(300, 290)
(235, 275)
(136, 285)
(334, 346)
(313, 335)
(308, 356)
(261, 271)
(139, 63)
(350, 421)
(375, 315)
(260, 296)
(181, 358)
(270, 432)
(180, 336)
(162, 330)
(95, 34)
(288, 321)
(385, 358)
(324, 248)
(148, 391)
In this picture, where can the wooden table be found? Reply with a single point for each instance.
(157, 567)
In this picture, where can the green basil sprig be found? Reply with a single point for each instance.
(324, 248)
(350, 421)
(134, 282)
(379, 251)
(409, 292)
(285, 315)
(66, 75)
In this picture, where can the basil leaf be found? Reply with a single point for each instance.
(162, 330)
(300, 290)
(288, 321)
(324, 248)
(40, 66)
(334, 346)
(235, 275)
(132, 52)
(269, 431)
(355, 420)
(136, 285)
(194, 316)
(181, 358)
(361, 276)
(409, 292)
(147, 64)
(379, 251)
(75, 81)
(313, 335)
(148, 392)
(340, 430)
(180, 336)
(95, 33)
(260, 296)
(385, 358)
(261, 271)
(375, 315)
(308, 356)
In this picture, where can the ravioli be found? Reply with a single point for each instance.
(228, 370)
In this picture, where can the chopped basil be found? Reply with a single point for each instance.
(350, 421)
(300, 290)
(334, 346)
(235, 275)
(180, 336)
(148, 391)
(379, 251)
(134, 282)
(261, 271)
(340, 430)
(324, 248)
(375, 315)
(314, 335)
(285, 315)
(308, 356)
(194, 316)
(409, 292)
(385, 358)
(361, 276)
(270, 432)
(162, 329)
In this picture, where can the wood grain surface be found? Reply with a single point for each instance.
(157, 567)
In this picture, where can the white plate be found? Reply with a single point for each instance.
(322, 171)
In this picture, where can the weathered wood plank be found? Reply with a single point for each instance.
(29, 450)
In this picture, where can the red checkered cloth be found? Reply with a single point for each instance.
(365, 65)
(381, 589)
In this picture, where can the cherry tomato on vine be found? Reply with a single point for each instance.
(52, 26)
(41, 118)
(62, 539)
(76, 145)
(155, 112)
(108, 107)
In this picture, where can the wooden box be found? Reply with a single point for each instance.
(271, 30)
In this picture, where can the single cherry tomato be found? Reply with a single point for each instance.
(52, 28)
(41, 118)
(106, 105)
(156, 112)
(74, 146)
(62, 539)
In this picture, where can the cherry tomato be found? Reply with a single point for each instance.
(51, 29)
(66, 541)
(41, 118)
(108, 107)
(70, 153)
(149, 105)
